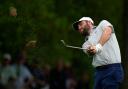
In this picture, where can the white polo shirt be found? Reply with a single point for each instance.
(111, 51)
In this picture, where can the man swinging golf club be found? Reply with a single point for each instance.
(101, 43)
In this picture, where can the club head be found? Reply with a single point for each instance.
(63, 42)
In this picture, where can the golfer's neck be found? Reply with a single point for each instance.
(91, 28)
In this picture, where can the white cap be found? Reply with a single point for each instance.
(87, 19)
(75, 25)
(7, 56)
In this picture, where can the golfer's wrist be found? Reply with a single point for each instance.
(98, 48)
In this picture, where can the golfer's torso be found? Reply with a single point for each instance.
(111, 51)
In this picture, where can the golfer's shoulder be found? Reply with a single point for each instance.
(104, 23)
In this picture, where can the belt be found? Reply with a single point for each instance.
(109, 66)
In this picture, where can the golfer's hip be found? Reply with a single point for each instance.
(115, 71)
(113, 65)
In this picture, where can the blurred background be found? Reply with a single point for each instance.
(31, 54)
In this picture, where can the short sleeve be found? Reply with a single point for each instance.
(105, 23)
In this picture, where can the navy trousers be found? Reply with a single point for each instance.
(108, 77)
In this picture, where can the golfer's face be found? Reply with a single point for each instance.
(83, 26)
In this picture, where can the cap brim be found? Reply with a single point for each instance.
(75, 25)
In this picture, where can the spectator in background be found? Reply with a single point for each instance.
(58, 77)
(47, 70)
(7, 74)
(24, 77)
(71, 82)
(38, 74)
(84, 82)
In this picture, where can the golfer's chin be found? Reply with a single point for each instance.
(85, 34)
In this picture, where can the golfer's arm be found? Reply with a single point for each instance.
(105, 35)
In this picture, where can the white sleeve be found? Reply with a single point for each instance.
(105, 23)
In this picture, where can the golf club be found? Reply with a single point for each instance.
(69, 46)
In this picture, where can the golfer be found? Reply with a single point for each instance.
(101, 43)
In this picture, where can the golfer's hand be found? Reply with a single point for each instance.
(92, 50)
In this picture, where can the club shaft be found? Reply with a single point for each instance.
(69, 46)
(74, 47)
